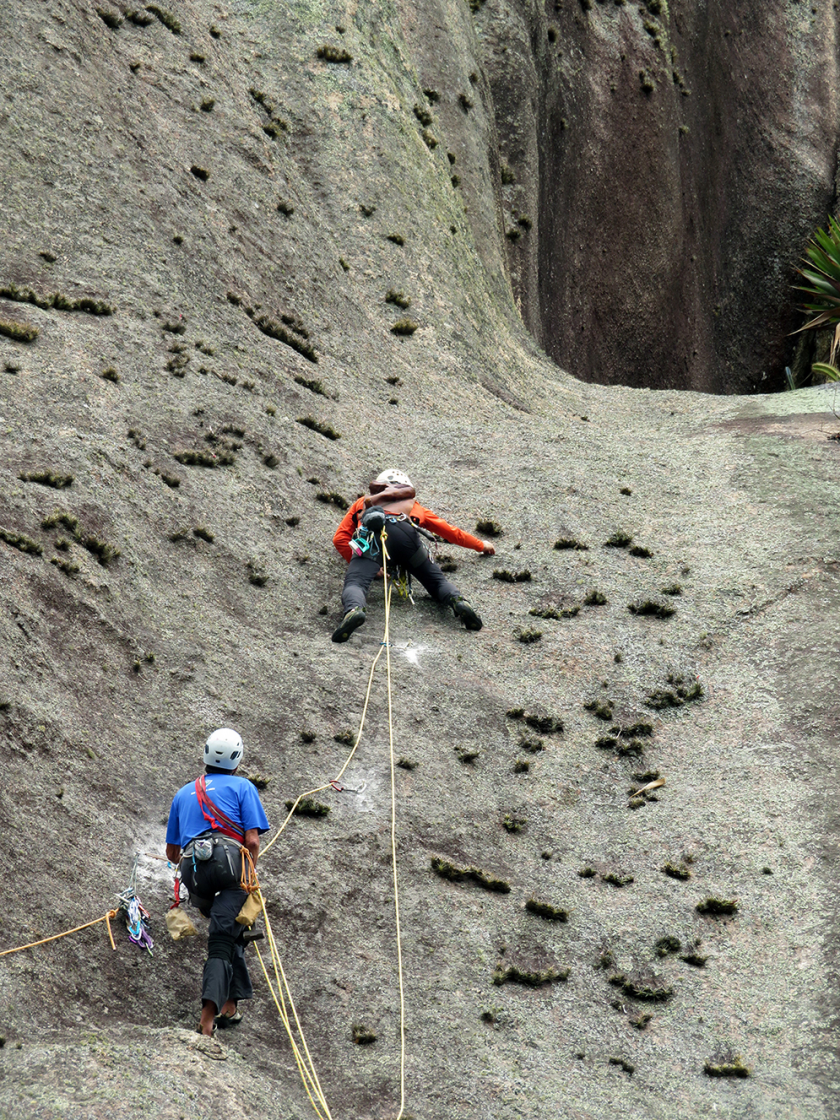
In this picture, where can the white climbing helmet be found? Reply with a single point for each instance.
(223, 749)
(392, 477)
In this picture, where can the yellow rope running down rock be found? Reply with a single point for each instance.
(394, 825)
(105, 918)
(303, 1058)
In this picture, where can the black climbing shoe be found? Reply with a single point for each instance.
(465, 612)
(351, 621)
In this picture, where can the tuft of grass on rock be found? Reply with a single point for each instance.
(317, 426)
(166, 18)
(398, 298)
(18, 332)
(362, 1035)
(48, 478)
(475, 875)
(727, 1064)
(675, 870)
(717, 907)
(336, 55)
(595, 598)
(21, 542)
(308, 808)
(546, 910)
(618, 540)
(651, 609)
(331, 497)
(536, 979)
(405, 327)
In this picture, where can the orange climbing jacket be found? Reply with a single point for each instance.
(421, 516)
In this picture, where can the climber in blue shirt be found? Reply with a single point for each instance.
(210, 821)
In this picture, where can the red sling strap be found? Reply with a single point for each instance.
(214, 815)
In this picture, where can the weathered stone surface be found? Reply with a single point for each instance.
(676, 158)
(111, 677)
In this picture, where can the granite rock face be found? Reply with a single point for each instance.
(212, 230)
(675, 159)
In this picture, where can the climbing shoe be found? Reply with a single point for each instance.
(351, 621)
(462, 609)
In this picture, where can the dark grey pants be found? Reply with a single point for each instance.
(214, 888)
(405, 547)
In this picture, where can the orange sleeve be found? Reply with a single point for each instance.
(346, 529)
(435, 524)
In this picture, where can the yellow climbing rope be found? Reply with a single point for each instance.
(280, 991)
(106, 918)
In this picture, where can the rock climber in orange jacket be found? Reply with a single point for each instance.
(392, 497)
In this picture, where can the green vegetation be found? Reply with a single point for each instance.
(404, 327)
(514, 975)
(66, 566)
(651, 608)
(640, 551)
(570, 543)
(553, 613)
(618, 540)
(622, 1063)
(667, 945)
(475, 875)
(676, 870)
(726, 1065)
(674, 697)
(208, 459)
(362, 1035)
(512, 577)
(200, 172)
(334, 54)
(527, 637)
(331, 497)
(717, 907)
(166, 18)
(103, 551)
(257, 574)
(312, 385)
(530, 745)
(309, 808)
(48, 478)
(110, 19)
(616, 879)
(488, 528)
(296, 336)
(599, 709)
(423, 115)
(399, 298)
(546, 910)
(18, 332)
(21, 543)
(317, 426)
(110, 374)
(513, 824)
(407, 764)
(595, 598)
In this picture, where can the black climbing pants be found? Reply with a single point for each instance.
(406, 549)
(214, 888)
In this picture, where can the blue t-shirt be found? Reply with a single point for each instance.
(236, 797)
